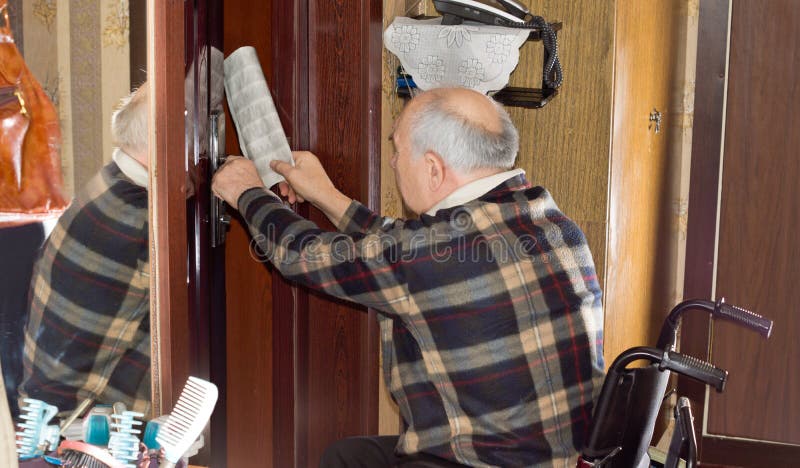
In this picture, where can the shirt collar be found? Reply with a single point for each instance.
(133, 169)
(473, 190)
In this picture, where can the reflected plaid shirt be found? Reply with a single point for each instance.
(490, 316)
(88, 333)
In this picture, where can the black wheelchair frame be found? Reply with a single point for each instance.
(626, 411)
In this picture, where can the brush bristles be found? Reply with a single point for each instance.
(77, 454)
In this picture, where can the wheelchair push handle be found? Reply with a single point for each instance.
(672, 361)
(744, 317)
(695, 368)
(668, 339)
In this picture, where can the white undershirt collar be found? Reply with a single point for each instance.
(133, 169)
(473, 190)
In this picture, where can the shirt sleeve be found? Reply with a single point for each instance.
(362, 265)
(359, 218)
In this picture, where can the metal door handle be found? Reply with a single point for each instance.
(220, 220)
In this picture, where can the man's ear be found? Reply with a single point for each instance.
(435, 168)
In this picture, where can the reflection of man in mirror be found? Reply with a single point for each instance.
(88, 334)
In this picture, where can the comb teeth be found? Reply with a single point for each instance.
(123, 444)
(34, 436)
(188, 418)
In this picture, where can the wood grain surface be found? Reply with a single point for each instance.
(564, 146)
(169, 316)
(637, 290)
(759, 161)
(341, 364)
(759, 257)
(249, 285)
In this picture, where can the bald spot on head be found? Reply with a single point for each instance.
(472, 106)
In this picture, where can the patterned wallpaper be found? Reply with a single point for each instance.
(78, 50)
(14, 7)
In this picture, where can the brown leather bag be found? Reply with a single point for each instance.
(31, 185)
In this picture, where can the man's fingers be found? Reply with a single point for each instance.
(231, 160)
(281, 167)
(237, 175)
(283, 187)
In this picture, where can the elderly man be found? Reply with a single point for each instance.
(88, 333)
(489, 304)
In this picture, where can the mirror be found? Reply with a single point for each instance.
(88, 330)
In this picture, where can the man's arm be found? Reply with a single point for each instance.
(361, 268)
(309, 182)
(307, 178)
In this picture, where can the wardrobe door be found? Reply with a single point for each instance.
(754, 422)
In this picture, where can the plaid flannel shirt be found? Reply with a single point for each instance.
(88, 333)
(490, 317)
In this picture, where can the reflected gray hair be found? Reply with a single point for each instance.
(463, 144)
(129, 121)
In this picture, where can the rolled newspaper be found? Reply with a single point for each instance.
(261, 135)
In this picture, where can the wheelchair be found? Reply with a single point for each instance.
(626, 411)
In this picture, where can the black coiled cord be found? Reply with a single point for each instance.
(551, 74)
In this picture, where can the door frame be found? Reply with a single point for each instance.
(169, 297)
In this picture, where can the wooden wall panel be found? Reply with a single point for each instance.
(564, 146)
(390, 201)
(759, 258)
(638, 290)
(249, 285)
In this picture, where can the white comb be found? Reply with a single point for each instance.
(187, 419)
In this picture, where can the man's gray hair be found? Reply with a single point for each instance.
(129, 121)
(463, 144)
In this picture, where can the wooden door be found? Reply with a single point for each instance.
(754, 423)
(249, 284)
(302, 368)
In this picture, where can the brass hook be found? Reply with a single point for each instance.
(655, 116)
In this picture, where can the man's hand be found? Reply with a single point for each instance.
(287, 192)
(235, 177)
(307, 177)
(309, 181)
